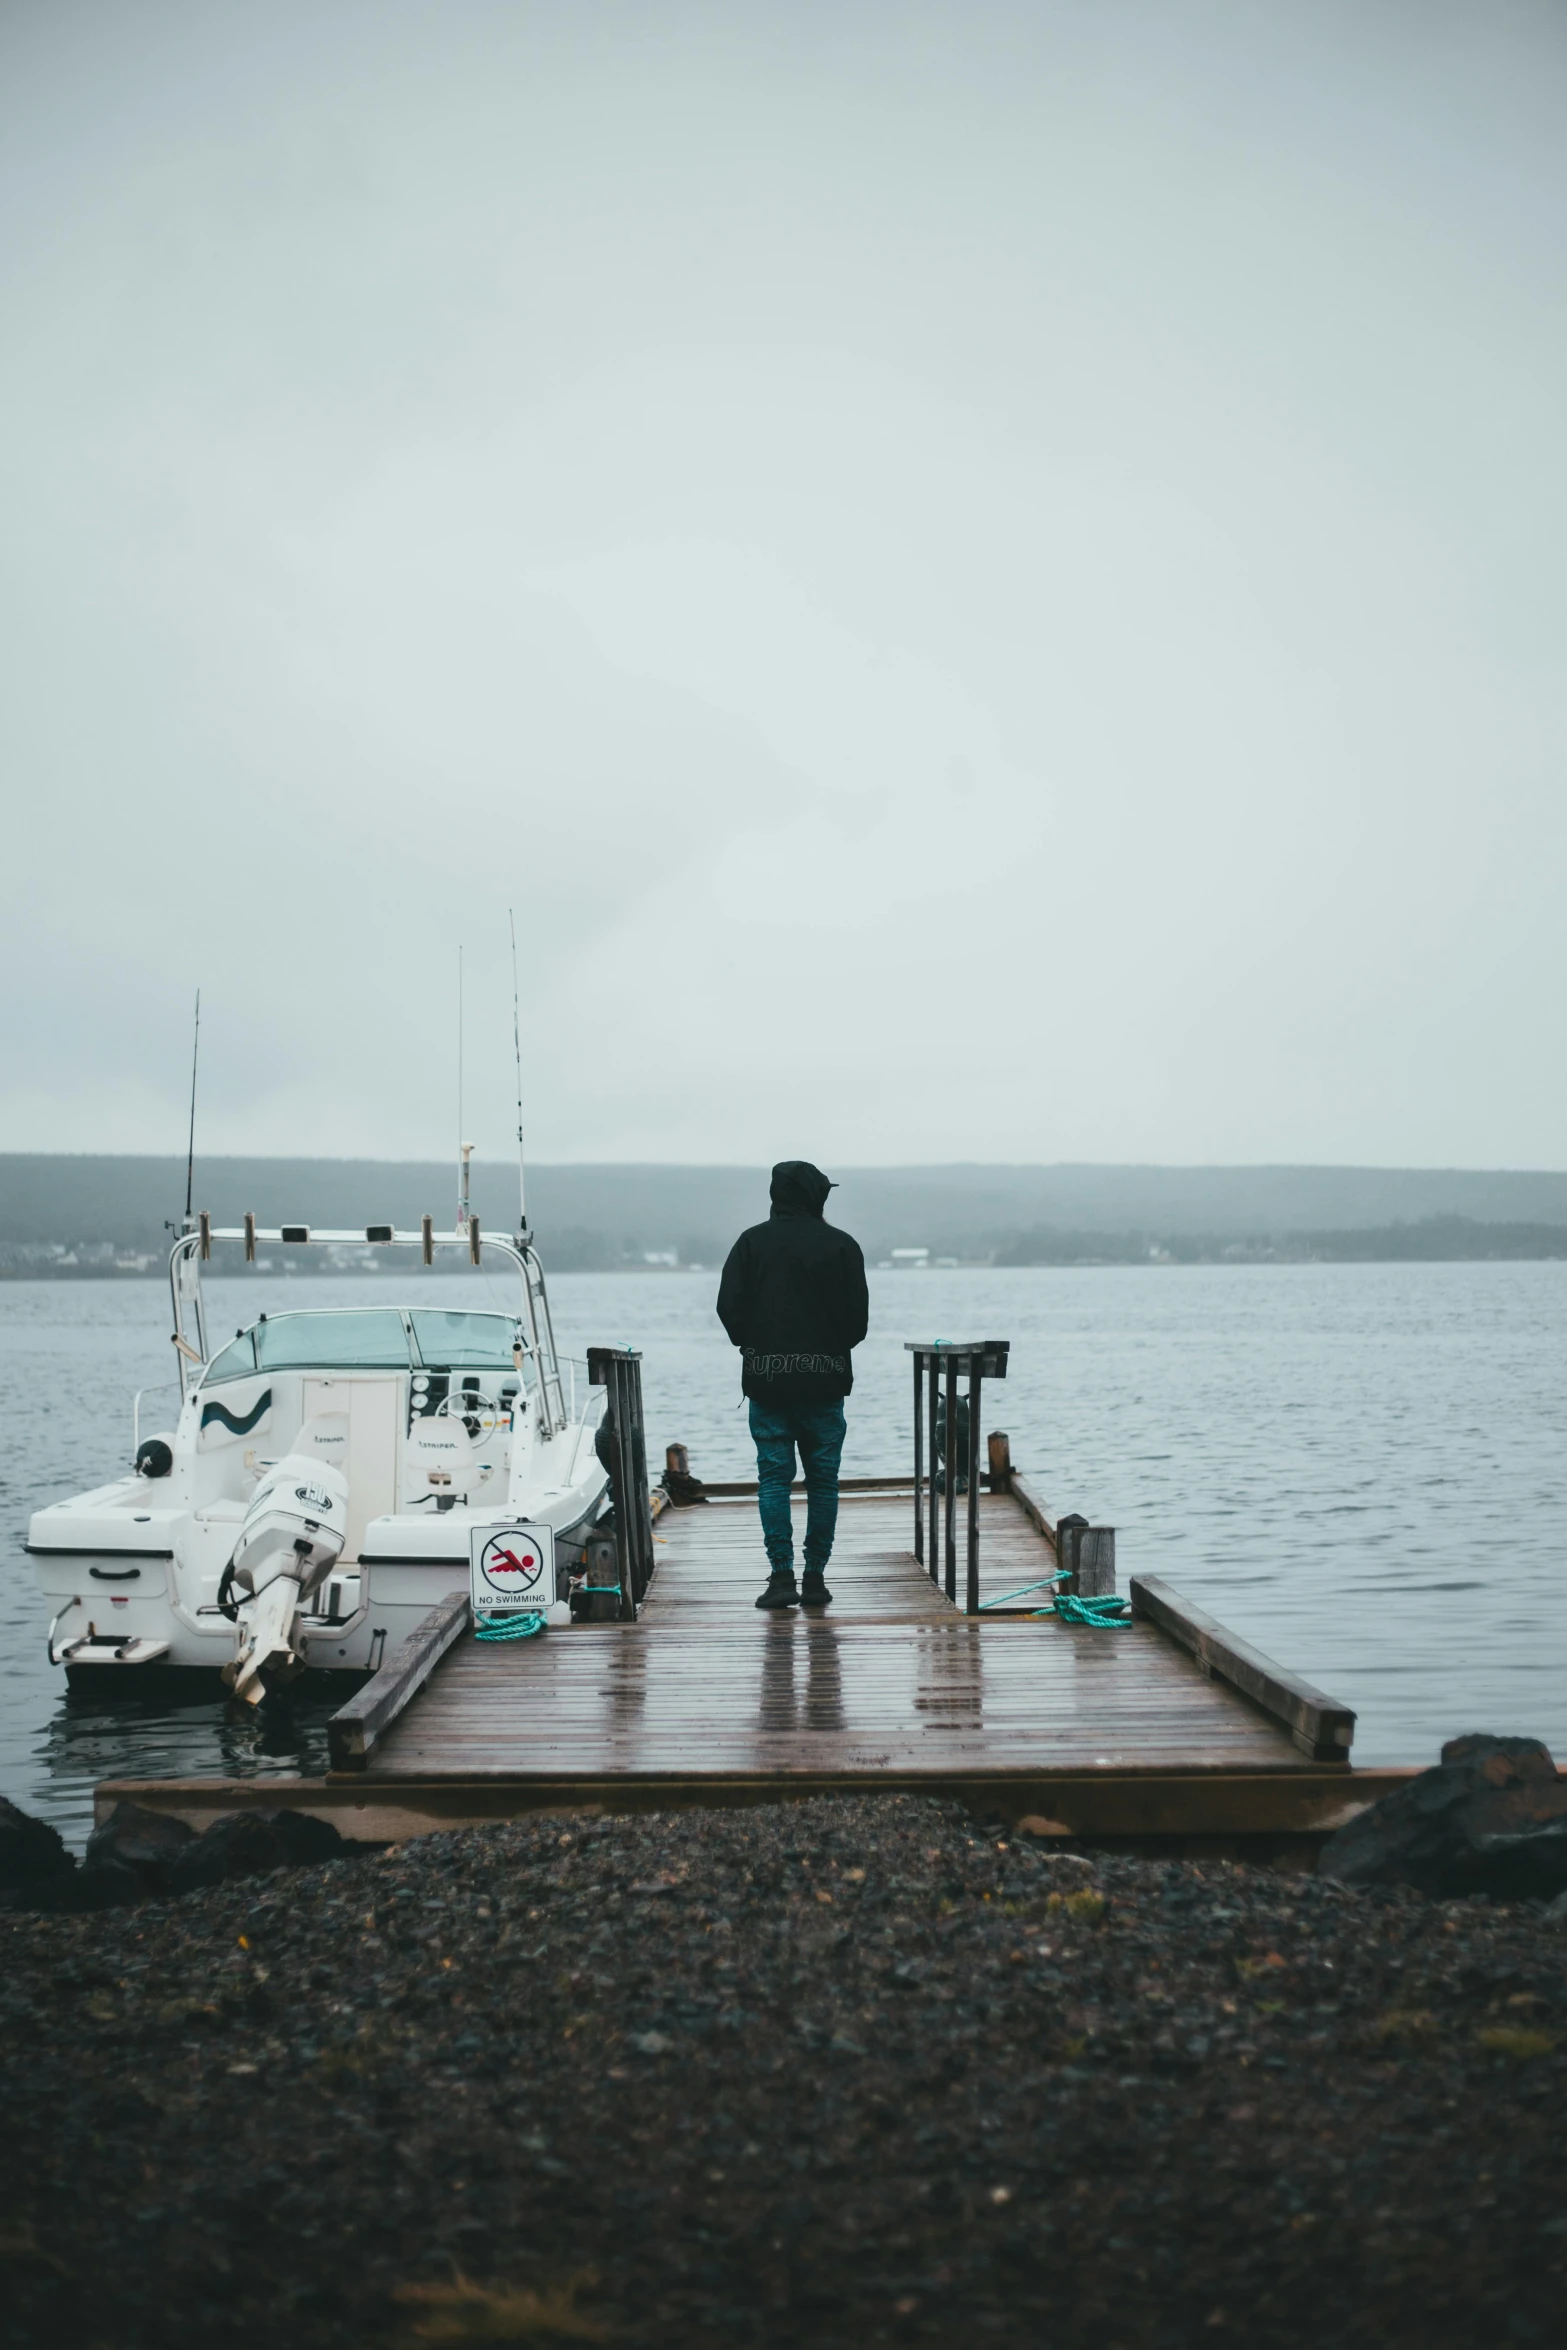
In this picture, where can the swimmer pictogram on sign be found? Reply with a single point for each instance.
(513, 1567)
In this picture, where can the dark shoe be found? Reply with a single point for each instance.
(814, 1592)
(781, 1590)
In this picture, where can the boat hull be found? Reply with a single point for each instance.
(103, 1595)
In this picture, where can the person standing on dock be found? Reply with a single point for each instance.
(793, 1300)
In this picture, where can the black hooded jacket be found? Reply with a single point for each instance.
(793, 1295)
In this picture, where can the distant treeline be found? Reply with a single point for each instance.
(1434, 1240)
(107, 1214)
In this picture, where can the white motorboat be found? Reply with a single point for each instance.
(320, 1489)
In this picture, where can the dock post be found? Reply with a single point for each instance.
(1068, 1528)
(999, 1447)
(931, 1413)
(919, 1458)
(1096, 1562)
(949, 1481)
(618, 1370)
(682, 1489)
(975, 1381)
(601, 1568)
(641, 1484)
(1087, 1554)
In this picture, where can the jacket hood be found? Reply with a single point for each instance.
(799, 1189)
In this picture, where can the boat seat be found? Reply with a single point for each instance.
(324, 1436)
(439, 1458)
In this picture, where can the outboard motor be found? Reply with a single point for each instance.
(291, 1538)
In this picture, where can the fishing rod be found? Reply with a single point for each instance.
(190, 1150)
(516, 1038)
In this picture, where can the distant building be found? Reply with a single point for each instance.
(347, 1256)
(911, 1260)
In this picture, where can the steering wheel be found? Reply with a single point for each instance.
(472, 1406)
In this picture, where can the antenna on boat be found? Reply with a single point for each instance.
(516, 1038)
(190, 1149)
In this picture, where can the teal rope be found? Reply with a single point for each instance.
(508, 1627)
(1022, 1592)
(1105, 1615)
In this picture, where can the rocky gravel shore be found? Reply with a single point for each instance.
(843, 2072)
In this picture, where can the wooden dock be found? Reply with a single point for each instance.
(1168, 1732)
(890, 1678)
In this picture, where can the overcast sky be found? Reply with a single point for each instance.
(987, 579)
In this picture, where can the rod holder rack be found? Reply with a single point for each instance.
(939, 1364)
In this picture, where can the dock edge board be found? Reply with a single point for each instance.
(1282, 1814)
(1321, 1728)
(357, 1726)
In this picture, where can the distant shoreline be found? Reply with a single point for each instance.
(1450, 1240)
(113, 1217)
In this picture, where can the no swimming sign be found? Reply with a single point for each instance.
(513, 1570)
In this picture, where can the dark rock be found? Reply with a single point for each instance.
(140, 1855)
(31, 1852)
(143, 1841)
(108, 1885)
(1503, 1762)
(1531, 1867)
(248, 1844)
(1491, 1818)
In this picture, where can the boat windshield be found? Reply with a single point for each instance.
(234, 1361)
(338, 1341)
(344, 1339)
(464, 1342)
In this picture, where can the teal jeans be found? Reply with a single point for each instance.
(817, 1431)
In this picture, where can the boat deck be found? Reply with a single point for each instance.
(893, 1679)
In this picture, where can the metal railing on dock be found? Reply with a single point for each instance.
(937, 1365)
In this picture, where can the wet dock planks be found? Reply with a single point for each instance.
(893, 1682)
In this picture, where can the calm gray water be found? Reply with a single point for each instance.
(1361, 1468)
